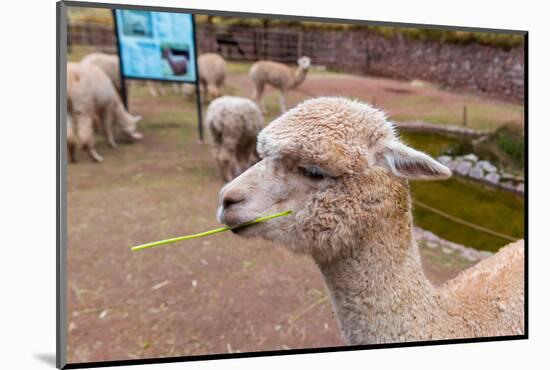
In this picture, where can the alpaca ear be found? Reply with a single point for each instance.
(409, 163)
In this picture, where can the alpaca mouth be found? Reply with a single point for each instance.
(236, 221)
(240, 229)
(231, 217)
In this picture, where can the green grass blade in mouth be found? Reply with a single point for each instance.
(209, 232)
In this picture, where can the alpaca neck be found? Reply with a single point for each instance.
(299, 77)
(121, 117)
(380, 293)
(120, 113)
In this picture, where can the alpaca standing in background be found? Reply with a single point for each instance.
(339, 165)
(92, 101)
(279, 76)
(234, 124)
(212, 70)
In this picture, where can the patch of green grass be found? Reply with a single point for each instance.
(481, 115)
(484, 116)
(512, 143)
(502, 40)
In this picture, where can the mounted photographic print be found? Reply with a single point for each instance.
(359, 185)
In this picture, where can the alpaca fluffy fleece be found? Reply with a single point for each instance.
(212, 71)
(340, 135)
(355, 221)
(234, 124)
(109, 64)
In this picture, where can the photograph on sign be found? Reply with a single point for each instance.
(156, 45)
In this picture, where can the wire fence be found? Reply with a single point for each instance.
(99, 36)
(235, 43)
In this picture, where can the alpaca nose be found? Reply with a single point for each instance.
(232, 197)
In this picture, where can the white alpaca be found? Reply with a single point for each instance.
(279, 76)
(92, 102)
(109, 64)
(234, 124)
(339, 165)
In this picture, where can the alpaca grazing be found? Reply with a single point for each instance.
(339, 165)
(279, 76)
(212, 70)
(234, 124)
(92, 102)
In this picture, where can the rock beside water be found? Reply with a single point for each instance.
(445, 159)
(486, 166)
(470, 157)
(463, 168)
(476, 173)
(493, 178)
(469, 166)
(433, 241)
(520, 187)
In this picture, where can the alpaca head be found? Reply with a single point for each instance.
(128, 126)
(340, 167)
(304, 62)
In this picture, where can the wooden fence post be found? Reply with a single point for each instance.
(300, 43)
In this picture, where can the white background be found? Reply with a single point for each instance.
(27, 149)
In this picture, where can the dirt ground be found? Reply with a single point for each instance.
(215, 295)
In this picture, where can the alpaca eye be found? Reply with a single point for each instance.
(313, 173)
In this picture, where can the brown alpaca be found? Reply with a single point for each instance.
(339, 165)
(279, 76)
(177, 63)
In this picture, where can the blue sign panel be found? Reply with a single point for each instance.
(156, 45)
